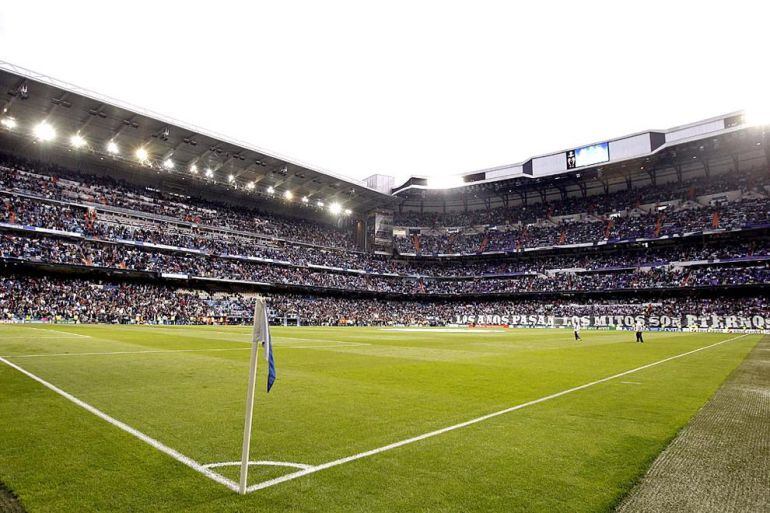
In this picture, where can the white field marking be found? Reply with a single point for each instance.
(232, 485)
(447, 330)
(57, 331)
(323, 466)
(149, 351)
(631, 382)
(266, 463)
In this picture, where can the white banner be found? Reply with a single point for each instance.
(757, 322)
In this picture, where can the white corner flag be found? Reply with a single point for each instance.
(261, 334)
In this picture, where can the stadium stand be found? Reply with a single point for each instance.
(683, 225)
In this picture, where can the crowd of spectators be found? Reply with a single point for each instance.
(70, 218)
(56, 182)
(25, 211)
(612, 202)
(25, 298)
(739, 214)
(53, 250)
(200, 222)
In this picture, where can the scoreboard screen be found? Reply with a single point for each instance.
(588, 155)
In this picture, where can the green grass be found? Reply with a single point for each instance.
(335, 398)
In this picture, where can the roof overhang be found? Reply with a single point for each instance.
(31, 97)
(630, 148)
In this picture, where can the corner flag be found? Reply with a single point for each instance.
(261, 334)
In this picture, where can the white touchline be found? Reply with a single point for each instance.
(232, 485)
(323, 466)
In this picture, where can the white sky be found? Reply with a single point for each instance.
(402, 88)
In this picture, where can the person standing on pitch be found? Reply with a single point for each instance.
(576, 328)
(639, 327)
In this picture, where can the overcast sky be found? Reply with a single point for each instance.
(402, 88)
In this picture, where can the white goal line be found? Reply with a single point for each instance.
(206, 469)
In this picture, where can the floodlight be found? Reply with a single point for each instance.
(230, 178)
(209, 173)
(348, 211)
(112, 147)
(77, 141)
(168, 164)
(288, 195)
(335, 208)
(194, 169)
(250, 186)
(304, 199)
(44, 132)
(270, 190)
(8, 122)
(142, 154)
(320, 203)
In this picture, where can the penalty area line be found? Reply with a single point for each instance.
(395, 445)
(160, 446)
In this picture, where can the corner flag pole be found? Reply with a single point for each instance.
(250, 399)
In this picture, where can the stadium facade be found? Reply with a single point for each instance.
(116, 214)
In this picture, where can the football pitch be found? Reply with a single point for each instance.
(143, 418)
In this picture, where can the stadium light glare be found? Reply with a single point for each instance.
(335, 208)
(320, 203)
(44, 132)
(348, 211)
(209, 173)
(112, 147)
(194, 169)
(168, 164)
(305, 199)
(445, 182)
(77, 141)
(757, 115)
(250, 186)
(8, 122)
(288, 195)
(270, 190)
(142, 154)
(230, 178)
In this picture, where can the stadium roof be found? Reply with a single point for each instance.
(147, 139)
(602, 154)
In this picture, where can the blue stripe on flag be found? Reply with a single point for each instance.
(270, 367)
(267, 344)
